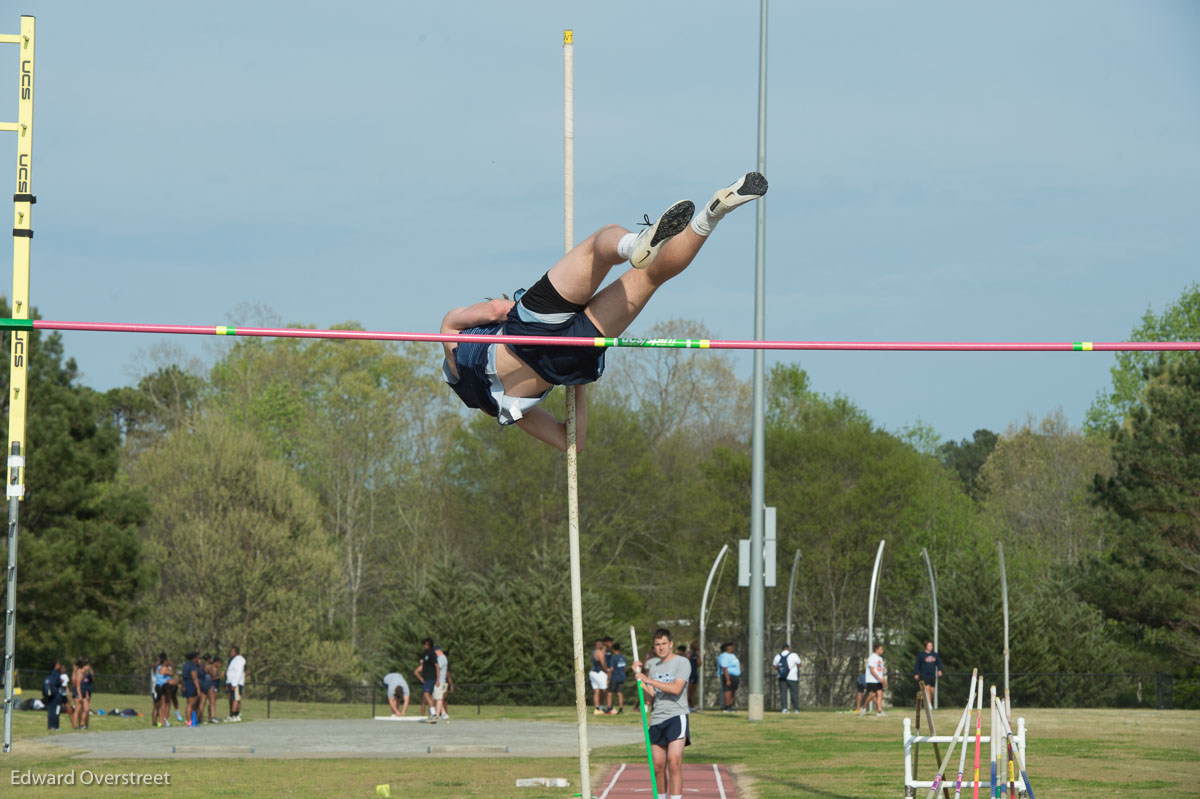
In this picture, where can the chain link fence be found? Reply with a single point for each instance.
(818, 690)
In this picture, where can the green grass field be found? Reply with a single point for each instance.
(1072, 753)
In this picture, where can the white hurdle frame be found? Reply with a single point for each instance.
(912, 784)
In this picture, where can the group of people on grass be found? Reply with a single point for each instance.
(873, 682)
(433, 670)
(609, 671)
(199, 679)
(70, 691)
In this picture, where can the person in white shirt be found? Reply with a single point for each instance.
(787, 667)
(235, 683)
(442, 688)
(396, 687)
(876, 680)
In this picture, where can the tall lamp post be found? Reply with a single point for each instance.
(755, 657)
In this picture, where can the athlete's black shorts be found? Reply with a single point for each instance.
(673, 729)
(560, 366)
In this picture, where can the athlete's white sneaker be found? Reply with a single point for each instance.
(749, 187)
(651, 240)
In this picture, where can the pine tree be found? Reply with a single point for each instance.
(1149, 580)
(80, 568)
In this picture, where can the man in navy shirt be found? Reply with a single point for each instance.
(427, 672)
(616, 682)
(928, 668)
(50, 695)
(189, 680)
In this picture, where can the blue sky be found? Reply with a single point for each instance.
(939, 170)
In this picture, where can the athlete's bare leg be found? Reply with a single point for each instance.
(580, 272)
(615, 307)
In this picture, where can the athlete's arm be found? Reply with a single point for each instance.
(674, 688)
(544, 426)
(481, 313)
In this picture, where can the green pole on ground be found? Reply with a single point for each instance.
(642, 705)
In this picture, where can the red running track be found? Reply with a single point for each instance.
(632, 781)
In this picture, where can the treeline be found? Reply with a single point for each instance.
(325, 505)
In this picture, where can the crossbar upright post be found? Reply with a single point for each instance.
(23, 200)
(585, 777)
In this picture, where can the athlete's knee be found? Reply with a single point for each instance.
(612, 226)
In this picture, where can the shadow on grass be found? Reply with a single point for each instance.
(800, 788)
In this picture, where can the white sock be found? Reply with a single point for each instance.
(676, 796)
(625, 246)
(705, 220)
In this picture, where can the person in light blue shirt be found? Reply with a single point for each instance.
(729, 672)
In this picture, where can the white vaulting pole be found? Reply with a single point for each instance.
(933, 591)
(871, 599)
(585, 777)
(1004, 596)
(704, 620)
(960, 730)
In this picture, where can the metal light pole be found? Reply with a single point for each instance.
(755, 657)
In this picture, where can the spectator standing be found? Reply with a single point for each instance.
(203, 698)
(64, 696)
(395, 685)
(928, 668)
(787, 668)
(72, 684)
(598, 677)
(214, 688)
(235, 682)
(729, 673)
(666, 676)
(694, 662)
(168, 690)
(862, 689)
(427, 672)
(189, 678)
(876, 678)
(608, 666)
(443, 685)
(50, 698)
(86, 683)
(154, 688)
(616, 685)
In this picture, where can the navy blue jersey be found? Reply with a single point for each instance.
(616, 662)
